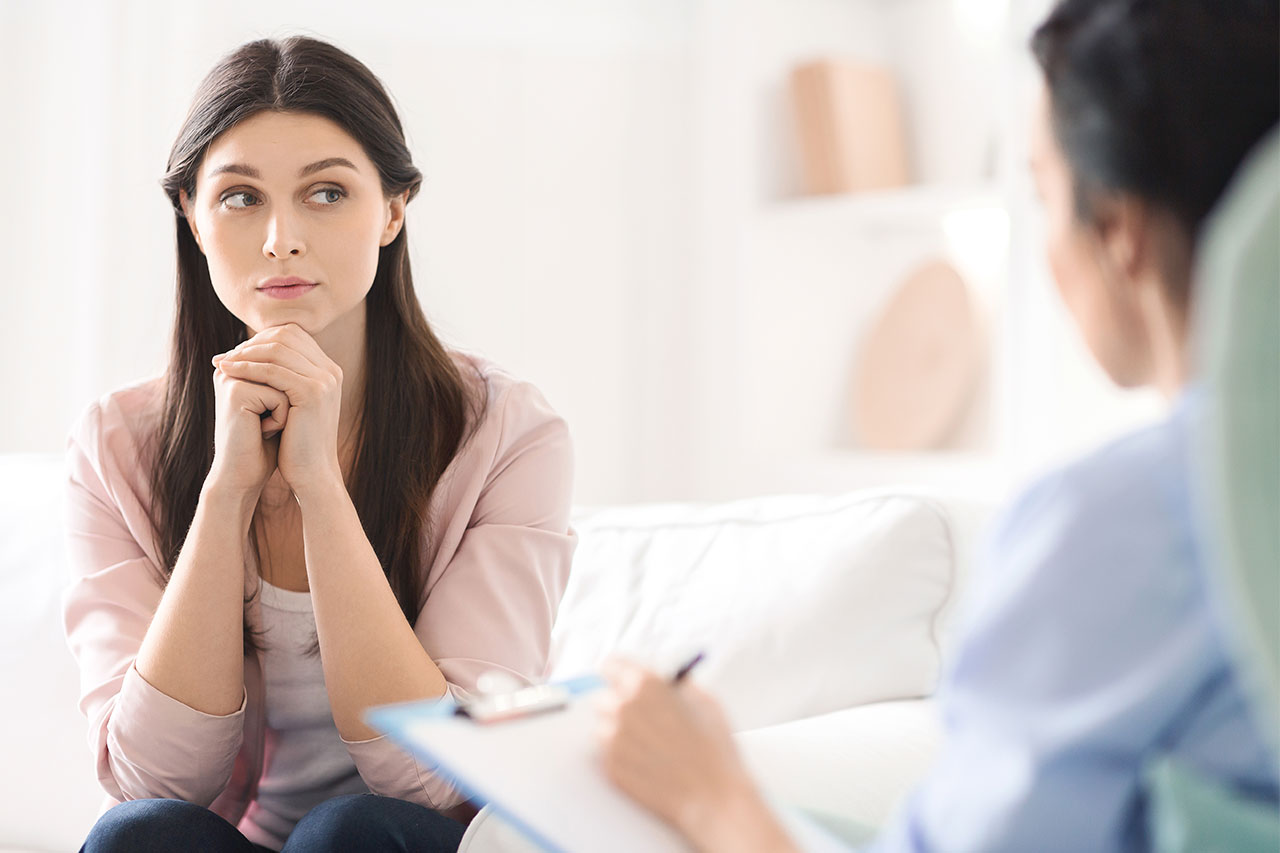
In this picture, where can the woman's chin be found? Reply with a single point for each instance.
(270, 319)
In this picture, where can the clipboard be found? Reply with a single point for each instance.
(539, 771)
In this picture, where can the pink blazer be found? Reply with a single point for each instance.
(495, 569)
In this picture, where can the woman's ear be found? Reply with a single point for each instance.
(1122, 224)
(395, 217)
(189, 214)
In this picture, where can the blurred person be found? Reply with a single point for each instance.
(316, 509)
(1090, 644)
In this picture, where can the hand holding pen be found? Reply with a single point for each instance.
(666, 743)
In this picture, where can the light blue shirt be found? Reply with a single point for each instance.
(1090, 648)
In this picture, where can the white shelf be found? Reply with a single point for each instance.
(976, 473)
(911, 206)
(937, 469)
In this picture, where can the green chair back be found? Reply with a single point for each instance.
(1239, 351)
(1237, 462)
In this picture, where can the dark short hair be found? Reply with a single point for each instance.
(1161, 99)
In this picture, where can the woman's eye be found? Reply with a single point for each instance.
(240, 200)
(327, 196)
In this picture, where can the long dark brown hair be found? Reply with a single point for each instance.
(416, 407)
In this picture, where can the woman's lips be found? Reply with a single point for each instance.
(287, 291)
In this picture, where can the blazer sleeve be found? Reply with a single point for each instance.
(145, 743)
(493, 605)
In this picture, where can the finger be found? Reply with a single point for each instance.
(610, 765)
(271, 409)
(620, 672)
(296, 338)
(638, 770)
(604, 702)
(276, 341)
(299, 388)
(273, 423)
(698, 697)
(275, 352)
(269, 404)
(605, 730)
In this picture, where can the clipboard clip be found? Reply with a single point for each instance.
(500, 701)
(524, 702)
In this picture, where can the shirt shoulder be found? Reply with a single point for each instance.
(509, 412)
(114, 434)
(494, 384)
(1130, 493)
(128, 414)
(1094, 565)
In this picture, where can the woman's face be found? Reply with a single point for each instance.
(290, 214)
(1097, 294)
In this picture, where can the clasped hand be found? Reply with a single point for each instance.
(279, 398)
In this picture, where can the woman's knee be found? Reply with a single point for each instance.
(140, 826)
(374, 823)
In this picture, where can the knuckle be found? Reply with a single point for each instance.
(647, 685)
(628, 688)
(634, 703)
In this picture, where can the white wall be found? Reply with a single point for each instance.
(548, 234)
(605, 213)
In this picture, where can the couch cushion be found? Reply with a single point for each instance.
(803, 605)
(47, 784)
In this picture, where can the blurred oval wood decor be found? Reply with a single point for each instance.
(919, 364)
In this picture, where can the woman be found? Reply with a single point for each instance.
(317, 509)
(1090, 647)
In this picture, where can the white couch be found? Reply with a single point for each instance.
(824, 621)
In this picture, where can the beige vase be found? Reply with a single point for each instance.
(850, 127)
(920, 363)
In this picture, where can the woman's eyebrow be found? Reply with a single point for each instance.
(326, 163)
(236, 168)
(250, 172)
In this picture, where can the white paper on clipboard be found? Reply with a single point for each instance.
(541, 773)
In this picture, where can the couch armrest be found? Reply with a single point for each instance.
(855, 764)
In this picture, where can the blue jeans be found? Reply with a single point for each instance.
(354, 822)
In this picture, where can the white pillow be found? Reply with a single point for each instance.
(803, 605)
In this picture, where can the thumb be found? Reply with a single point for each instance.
(273, 420)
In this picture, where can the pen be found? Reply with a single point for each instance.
(683, 671)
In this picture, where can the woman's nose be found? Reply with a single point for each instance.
(284, 238)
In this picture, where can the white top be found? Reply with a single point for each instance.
(305, 761)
